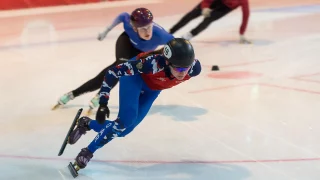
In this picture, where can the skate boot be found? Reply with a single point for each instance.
(93, 104)
(81, 129)
(188, 36)
(81, 161)
(83, 158)
(64, 100)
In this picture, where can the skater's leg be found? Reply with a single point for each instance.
(145, 103)
(194, 13)
(218, 10)
(124, 49)
(130, 89)
(124, 52)
(93, 84)
(129, 93)
(97, 126)
(215, 15)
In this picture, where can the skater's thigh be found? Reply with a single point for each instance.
(124, 49)
(145, 103)
(196, 11)
(215, 15)
(101, 75)
(129, 93)
(219, 9)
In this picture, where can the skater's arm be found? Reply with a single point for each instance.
(195, 68)
(245, 16)
(119, 19)
(132, 67)
(206, 3)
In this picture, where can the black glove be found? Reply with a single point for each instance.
(102, 112)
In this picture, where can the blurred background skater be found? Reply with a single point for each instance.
(213, 10)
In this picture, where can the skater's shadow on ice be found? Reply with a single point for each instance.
(178, 112)
(189, 171)
(258, 42)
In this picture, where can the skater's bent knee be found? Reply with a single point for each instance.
(128, 118)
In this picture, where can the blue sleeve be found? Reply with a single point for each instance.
(119, 19)
(147, 65)
(195, 69)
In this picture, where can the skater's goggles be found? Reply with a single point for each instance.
(180, 69)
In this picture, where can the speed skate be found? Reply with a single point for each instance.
(73, 125)
(73, 168)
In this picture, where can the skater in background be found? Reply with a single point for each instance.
(213, 10)
(141, 82)
(140, 34)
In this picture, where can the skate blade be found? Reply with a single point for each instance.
(89, 112)
(57, 106)
(73, 125)
(73, 168)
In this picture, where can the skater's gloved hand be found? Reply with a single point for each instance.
(102, 112)
(244, 40)
(102, 35)
(206, 12)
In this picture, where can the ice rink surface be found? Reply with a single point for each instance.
(255, 119)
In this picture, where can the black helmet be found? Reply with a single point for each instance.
(179, 52)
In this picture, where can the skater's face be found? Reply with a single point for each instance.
(179, 72)
(145, 32)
